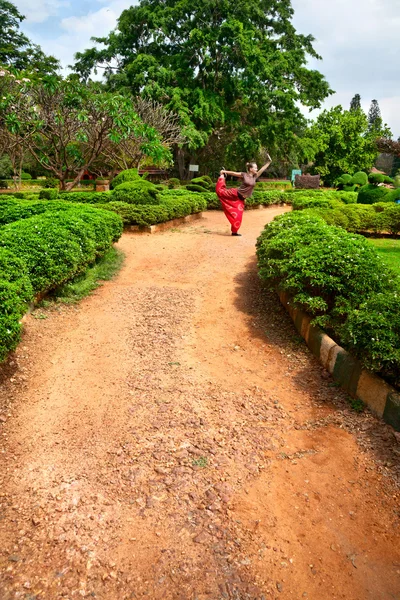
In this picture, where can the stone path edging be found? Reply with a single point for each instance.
(166, 225)
(379, 396)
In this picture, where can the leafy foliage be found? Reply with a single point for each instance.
(233, 72)
(16, 50)
(376, 178)
(355, 103)
(41, 246)
(360, 178)
(170, 207)
(339, 279)
(340, 141)
(48, 194)
(370, 193)
(68, 127)
(124, 176)
(136, 192)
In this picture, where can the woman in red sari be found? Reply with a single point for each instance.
(233, 199)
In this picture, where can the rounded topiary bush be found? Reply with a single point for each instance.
(369, 194)
(376, 178)
(192, 187)
(49, 194)
(173, 182)
(51, 183)
(387, 179)
(392, 196)
(136, 192)
(360, 178)
(349, 188)
(25, 176)
(344, 179)
(204, 182)
(124, 176)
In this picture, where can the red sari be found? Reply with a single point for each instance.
(231, 203)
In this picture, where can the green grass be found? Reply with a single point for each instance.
(389, 250)
(83, 285)
(201, 462)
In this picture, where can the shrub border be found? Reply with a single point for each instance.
(165, 225)
(382, 399)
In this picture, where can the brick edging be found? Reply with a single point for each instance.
(379, 396)
(164, 226)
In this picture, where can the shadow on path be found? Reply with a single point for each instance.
(269, 321)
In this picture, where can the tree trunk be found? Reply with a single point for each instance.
(77, 179)
(181, 163)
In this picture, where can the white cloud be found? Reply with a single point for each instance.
(358, 42)
(79, 30)
(98, 23)
(40, 10)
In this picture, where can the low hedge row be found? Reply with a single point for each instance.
(261, 198)
(326, 200)
(39, 252)
(12, 209)
(382, 217)
(377, 218)
(169, 208)
(268, 185)
(15, 294)
(338, 278)
(86, 197)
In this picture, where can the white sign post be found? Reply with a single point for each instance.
(193, 168)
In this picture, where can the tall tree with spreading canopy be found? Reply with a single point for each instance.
(340, 141)
(16, 50)
(232, 71)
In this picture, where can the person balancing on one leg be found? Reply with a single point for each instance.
(233, 200)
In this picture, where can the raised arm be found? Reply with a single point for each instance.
(261, 171)
(233, 173)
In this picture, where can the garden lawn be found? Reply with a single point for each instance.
(389, 250)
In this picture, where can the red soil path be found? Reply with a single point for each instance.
(172, 438)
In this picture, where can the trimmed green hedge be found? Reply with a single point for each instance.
(139, 192)
(268, 185)
(377, 218)
(169, 208)
(55, 246)
(124, 176)
(86, 197)
(12, 209)
(15, 294)
(39, 252)
(370, 193)
(338, 278)
(49, 194)
(21, 195)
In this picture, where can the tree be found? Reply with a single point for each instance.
(340, 141)
(355, 103)
(67, 126)
(130, 151)
(16, 50)
(391, 147)
(374, 116)
(232, 71)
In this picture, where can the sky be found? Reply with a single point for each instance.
(358, 41)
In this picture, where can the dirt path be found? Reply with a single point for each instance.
(171, 437)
